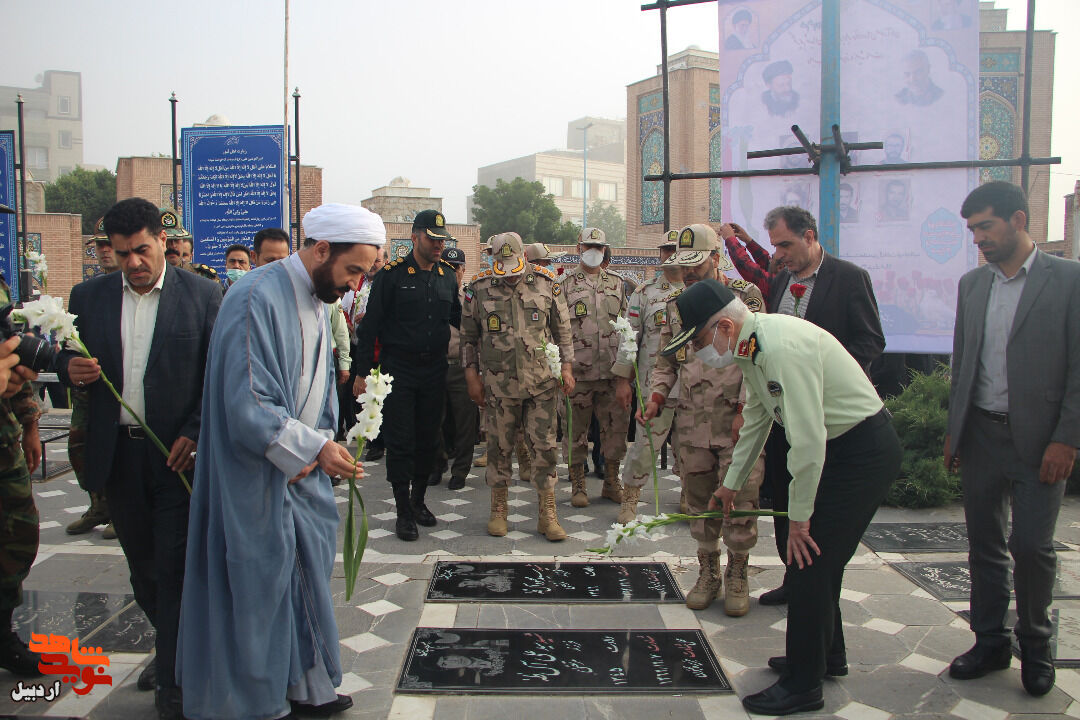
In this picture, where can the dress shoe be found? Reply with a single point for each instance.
(980, 660)
(406, 528)
(169, 703)
(1037, 670)
(834, 666)
(109, 533)
(343, 702)
(455, 483)
(148, 677)
(423, 515)
(777, 596)
(374, 453)
(434, 479)
(775, 700)
(16, 656)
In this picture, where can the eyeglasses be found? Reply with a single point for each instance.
(697, 343)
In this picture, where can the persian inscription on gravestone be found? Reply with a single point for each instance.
(459, 660)
(920, 537)
(951, 581)
(553, 582)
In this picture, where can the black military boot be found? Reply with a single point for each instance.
(406, 523)
(422, 515)
(15, 656)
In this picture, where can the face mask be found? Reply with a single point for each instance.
(592, 257)
(235, 274)
(711, 357)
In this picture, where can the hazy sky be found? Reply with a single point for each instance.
(427, 89)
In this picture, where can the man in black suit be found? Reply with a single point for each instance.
(836, 296)
(148, 329)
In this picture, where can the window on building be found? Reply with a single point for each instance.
(607, 191)
(37, 157)
(553, 186)
(577, 189)
(63, 105)
(64, 169)
(63, 139)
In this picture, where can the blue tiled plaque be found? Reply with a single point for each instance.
(9, 253)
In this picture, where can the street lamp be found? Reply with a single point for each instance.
(585, 179)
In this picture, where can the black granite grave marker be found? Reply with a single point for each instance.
(921, 537)
(457, 660)
(951, 581)
(561, 582)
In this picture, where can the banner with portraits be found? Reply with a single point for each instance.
(909, 77)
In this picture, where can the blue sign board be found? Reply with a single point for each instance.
(236, 182)
(9, 251)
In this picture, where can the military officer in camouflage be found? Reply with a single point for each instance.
(511, 311)
(595, 299)
(647, 314)
(709, 401)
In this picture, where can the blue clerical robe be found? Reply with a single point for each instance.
(257, 619)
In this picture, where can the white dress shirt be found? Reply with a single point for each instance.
(138, 318)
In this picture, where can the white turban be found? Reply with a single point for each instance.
(338, 223)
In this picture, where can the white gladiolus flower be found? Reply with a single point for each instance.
(34, 258)
(47, 314)
(554, 361)
(613, 535)
(369, 427)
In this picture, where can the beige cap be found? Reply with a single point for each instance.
(592, 236)
(537, 251)
(507, 254)
(695, 243)
(670, 239)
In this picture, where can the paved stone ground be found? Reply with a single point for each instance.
(900, 639)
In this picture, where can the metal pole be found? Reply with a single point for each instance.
(24, 289)
(667, 115)
(296, 191)
(585, 173)
(1029, 50)
(175, 161)
(829, 181)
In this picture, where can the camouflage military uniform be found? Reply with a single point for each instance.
(594, 301)
(504, 329)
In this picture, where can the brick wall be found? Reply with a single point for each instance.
(468, 240)
(62, 244)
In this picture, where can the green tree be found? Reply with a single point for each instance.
(523, 207)
(606, 217)
(84, 192)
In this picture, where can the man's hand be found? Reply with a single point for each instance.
(1057, 463)
(736, 426)
(31, 446)
(651, 410)
(20, 375)
(727, 231)
(359, 386)
(336, 461)
(343, 377)
(723, 499)
(181, 455)
(952, 462)
(740, 232)
(799, 544)
(83, 371)
(568, 381)
(475, 387)
(623, 393)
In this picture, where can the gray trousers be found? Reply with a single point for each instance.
(994, 477)
(460, 423)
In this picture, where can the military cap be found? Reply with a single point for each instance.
(592, 236)
(507, 254)
(433, 223)
(537, 251)
(780, 67)
(454, 256)
(696, 305)
(99, 235)
(171, 222)
(695, 243)
(205, 270)
(670, 239)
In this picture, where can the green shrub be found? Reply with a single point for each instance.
(920, 416)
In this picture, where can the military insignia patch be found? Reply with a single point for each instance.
(556, 290)
(686, 239)
(753, 304)
(774, 388)
(412, 270)
(740, 284)
(440, 270)
(468, 295)
(529, 279)
(439, 222)
(506, 251)
(743, 350)
(665, 286)
(594, 235)
(673, 235)
(658, 318)
(753, 346)
(494, 323)
(680, 354)
(580, 310)
(168, 219)
(536, 316)
(520, 266)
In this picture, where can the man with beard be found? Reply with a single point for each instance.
(779, 99)
(257, 629)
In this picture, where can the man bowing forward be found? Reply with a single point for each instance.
(257, 628)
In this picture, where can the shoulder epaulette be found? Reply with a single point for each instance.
(393, 264)
(540, 269)
(740, 284)
(481, 275)
(674, 294)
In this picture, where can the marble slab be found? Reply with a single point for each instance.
(920, 537)
(554, 582)
(951, 581)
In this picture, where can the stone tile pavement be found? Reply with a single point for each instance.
(900, 639)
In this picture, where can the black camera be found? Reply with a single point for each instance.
(34, 351)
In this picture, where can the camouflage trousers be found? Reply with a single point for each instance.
(80, 410)
(18, 524)
(598, 397)
(637, 470)
(506, 419)
(703, 472)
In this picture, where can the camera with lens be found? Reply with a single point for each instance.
(34, 351)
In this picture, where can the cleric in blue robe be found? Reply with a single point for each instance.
(258, 637)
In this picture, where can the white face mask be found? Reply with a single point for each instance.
(592, 257)
(711, 357)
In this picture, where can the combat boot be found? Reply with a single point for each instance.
(548, 522)
(579, 494)
(524, 462)
(481, 461)
(708, 583)
(736, 586)
(497, 522)
(630, 497)
(684, 506)
(96, 514)
(612, 487)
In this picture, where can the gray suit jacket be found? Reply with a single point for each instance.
(1043, 364)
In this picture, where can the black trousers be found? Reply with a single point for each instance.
(860, 465)
(149, 508)
(777, 478)
(412, 420)
(460, 424)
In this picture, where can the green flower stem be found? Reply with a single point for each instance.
(648, 434)
(569, 434)
(150, 433)
(354, 544)
(672, 518)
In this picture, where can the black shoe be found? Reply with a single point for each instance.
(423, 515)
(1037, 670)
(600, 468)
(169, 703)
(374, 453)
(343, 702)
(434, 479)
(406, 529)
(774, 597)
(834, 666)
(148, 677)
(455, 483)
(16, 656)
(775, 700)
(980, 660)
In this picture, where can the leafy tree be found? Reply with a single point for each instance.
(522, 207)
(606, 217)
(84, 192)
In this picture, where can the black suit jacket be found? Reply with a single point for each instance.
(843, 303)
(173, 380)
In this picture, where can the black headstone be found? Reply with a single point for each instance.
(951, 581)
(561, 582)
(458, 660)
(920, 537)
